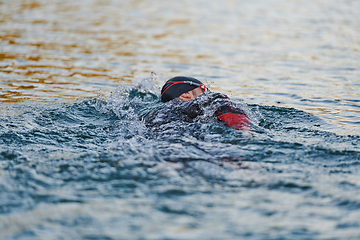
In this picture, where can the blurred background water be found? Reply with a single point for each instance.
(69, 69)
(288, 53)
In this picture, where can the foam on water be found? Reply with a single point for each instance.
(92, 169)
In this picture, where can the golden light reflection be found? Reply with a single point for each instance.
(30, 5)
(63, 50)
(57, 69)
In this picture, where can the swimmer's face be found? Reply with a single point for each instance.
(190, 95)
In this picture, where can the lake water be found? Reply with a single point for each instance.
(77, 161)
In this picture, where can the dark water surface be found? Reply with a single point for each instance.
(91, 169)
(77, 161)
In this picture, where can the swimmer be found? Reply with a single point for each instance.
(188, 89)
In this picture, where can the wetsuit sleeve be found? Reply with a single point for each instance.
(234, 118)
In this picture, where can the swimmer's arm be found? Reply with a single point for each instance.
(235, 120)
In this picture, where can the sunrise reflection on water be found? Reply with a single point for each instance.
(294, 54)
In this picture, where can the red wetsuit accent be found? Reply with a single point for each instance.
(235, 120)
(231, 115)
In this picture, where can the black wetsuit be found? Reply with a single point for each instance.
(206, 105)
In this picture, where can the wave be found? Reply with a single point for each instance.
(101, 148)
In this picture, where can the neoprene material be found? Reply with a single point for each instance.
(176, 86)
(187, 111)
(235, 120)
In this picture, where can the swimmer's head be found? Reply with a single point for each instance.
(177, 86)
